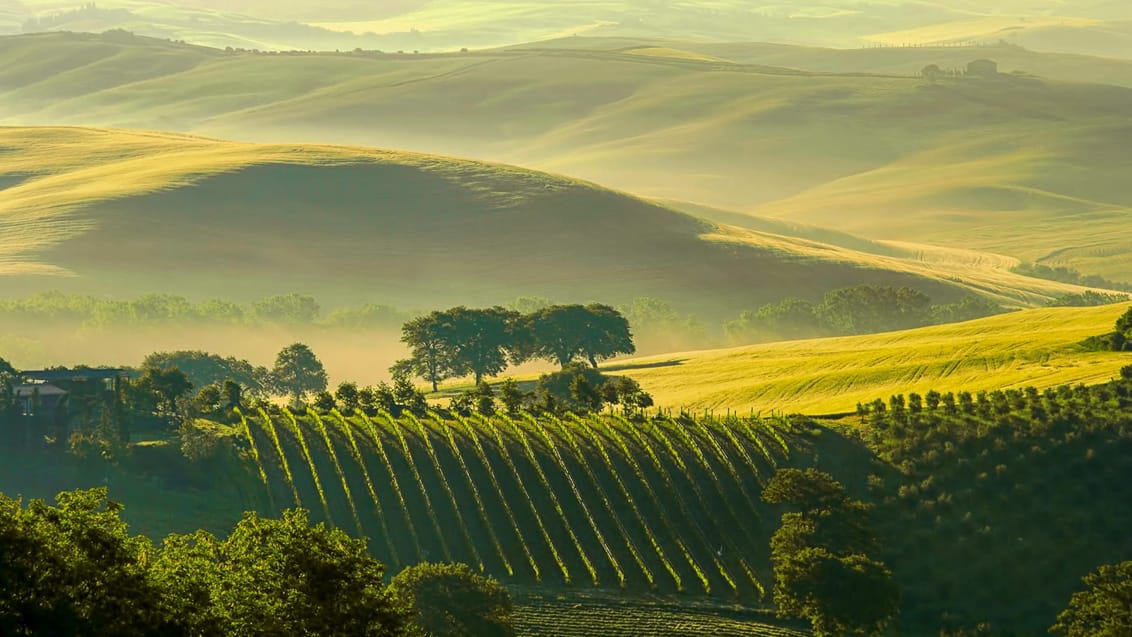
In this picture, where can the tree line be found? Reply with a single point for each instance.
(863, 309)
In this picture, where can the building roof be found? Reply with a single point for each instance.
(49, 375)
(45, 389)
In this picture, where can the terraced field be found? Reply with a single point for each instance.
(827, 376)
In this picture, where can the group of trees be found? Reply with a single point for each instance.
(1119, 339)
(822, 568)
(284, 310)
(74, 569)
(576, 388)
(987, 494)
(864, 309)
(1069, 275)
(483, 342)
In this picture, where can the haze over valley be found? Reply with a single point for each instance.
(542, 318)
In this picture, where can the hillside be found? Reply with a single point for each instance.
(1024, 167)
(430, 25)
(830, 376)
(662, 516)
(85, 206)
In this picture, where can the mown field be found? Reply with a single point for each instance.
(830, 376)
(1026, 167)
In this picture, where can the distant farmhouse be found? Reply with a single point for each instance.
(45, 400)
(982, 68)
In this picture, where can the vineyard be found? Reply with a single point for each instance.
(661, 506)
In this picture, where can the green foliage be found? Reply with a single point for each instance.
(1118, 340)
(74, 570)
(287, 309)
(1069, 275)
(203, 368)
(158, 390)
(867, 308)
(431, 358)
(450, 600)
(862, 309)
(481, 341)
(580, 389)
(298, 371)
(1088, 298)
(839, 595)
(1104, 608)
(821, 569)
(277, 577)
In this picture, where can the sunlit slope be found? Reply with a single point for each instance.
(430, 25)
(122, 212)
(1023, 167)
(903, 60)
(1032, 347)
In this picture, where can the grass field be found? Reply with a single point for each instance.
(1028, 168)
(828, 376)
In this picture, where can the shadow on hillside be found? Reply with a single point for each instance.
(631, 366)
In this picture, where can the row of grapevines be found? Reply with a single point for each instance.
(371, 428)
(396, 430)
(447, 489)
(356, 452)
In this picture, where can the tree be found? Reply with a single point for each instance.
(558, 332)
(347, 396)
(276, 577)
(481, 342)
(608, 334)
(431, 357)
(932, 73)
(1104, 608)
(8, 378)
(287, 309)
(563, 333)
(450, 600)
(164, 386)
(298, 372)
(203, 368)
(1122, 335)
(512, 396)
(72, 569)
(839, 595)
(821, 567)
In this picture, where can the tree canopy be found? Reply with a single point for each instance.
(298, 371)
(1104, 608)
(450, 600)
(821, 567)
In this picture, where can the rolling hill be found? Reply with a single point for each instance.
(119, 213)
(431, 25)
(1019, 166)
(1031, 347)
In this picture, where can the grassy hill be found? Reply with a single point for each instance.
(352, 225)
(1097, 27)
(1031, 347)
(1024, 167)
